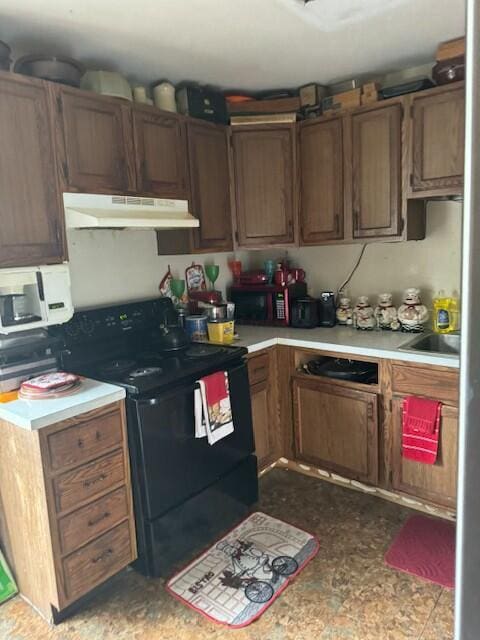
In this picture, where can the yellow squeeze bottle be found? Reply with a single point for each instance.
(445, 313)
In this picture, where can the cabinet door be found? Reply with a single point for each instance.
(262, 423)
(321, 182)
(263, 391)
(438, 141)
(95, 144)
(264, 176)
(160, 150)
(376, 172)
(210, 186)
(436, 482)
(31, 212)
(336, 428)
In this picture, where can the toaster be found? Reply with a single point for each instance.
(304, 313)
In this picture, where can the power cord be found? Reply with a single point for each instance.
(352, 272)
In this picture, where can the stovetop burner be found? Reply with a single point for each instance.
(141, 372)
(202, 351)
(116, 367)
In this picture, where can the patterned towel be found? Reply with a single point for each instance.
(213, 411)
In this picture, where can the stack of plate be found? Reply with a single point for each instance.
(49, 385)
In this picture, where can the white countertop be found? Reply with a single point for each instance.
(34, 414)
(376, 344)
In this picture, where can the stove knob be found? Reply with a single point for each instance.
(72, 329)
(87, 326)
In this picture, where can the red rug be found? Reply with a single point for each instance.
(425, 547)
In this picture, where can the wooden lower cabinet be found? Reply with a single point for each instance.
(67, 519)
(262, 376)
(433, 482)
(336, 428)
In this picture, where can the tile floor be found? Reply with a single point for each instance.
(345, 593)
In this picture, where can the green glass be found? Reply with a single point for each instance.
(212, 271)
(177, 287)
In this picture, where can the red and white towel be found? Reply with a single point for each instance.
(421, 429)
(213, 411)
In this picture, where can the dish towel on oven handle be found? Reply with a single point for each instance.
(420, 429)
(215, 419)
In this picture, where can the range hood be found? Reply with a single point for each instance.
(91, 211)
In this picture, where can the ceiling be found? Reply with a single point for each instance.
(249, 44)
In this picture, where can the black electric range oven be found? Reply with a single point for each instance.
(186, 492)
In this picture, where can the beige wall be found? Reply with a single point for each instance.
(114, 266)
(431, 264)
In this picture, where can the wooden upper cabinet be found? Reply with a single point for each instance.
(160, 152)
(336, 428)
(265, 184)
(377, 172)
(210, 186)
(95, 143)
(31, 212)
(438, 142)
(321, 181)
(435, 482)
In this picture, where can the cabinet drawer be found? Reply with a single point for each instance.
(84, 441)
(97, 561)
(92, 520)
(432, 383)
(258, 368)
(73, 487)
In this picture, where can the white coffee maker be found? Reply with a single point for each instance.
(32, 297)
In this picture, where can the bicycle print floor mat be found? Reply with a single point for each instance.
(238, 577)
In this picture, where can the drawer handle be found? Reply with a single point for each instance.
(80, 443)
(94, 521)
(98, 435)
(102, 556)
(99, 478)
(259, 369)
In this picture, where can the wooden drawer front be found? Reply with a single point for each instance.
(432, 383)
(92, 520)
(258, 368)
(85, 482)
(97, 561)
(85, 441)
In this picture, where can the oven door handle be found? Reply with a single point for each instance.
(157, 399)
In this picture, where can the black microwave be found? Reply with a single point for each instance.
(267, 304)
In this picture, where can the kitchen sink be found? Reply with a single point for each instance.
(445, 343)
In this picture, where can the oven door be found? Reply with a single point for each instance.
(172, 463)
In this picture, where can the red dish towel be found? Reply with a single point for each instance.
(217, 410)
(420, 429)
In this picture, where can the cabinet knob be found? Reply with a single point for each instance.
(94, 521)
(102, 556)
(100, 478)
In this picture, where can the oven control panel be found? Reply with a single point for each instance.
(112, 322)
